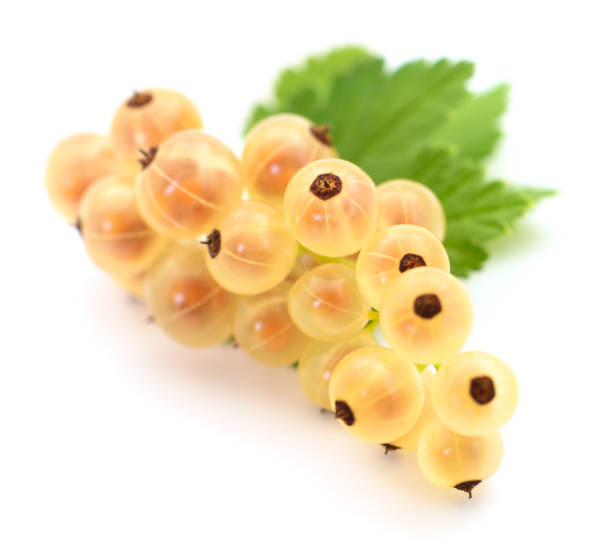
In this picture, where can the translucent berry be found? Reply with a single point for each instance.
(265, 331)
(406, 202)
(305, 261)
(392, 252)
(376, 394)
(186, 302)
(251, 250)
(189, 184)
(319, 360)
(116, 237)
(449, 459)
(427, 315)
(147, 119)
(325, 303)
(475, 393)
(410, 439)
(276, 148)
(74, 165)
(331, 207)
(133, 284)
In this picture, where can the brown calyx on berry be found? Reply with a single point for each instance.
(213, 241)
(147, 157)
(78, 224)
(410, 261)
(427, 306)
(139, 99)
(326, 186)
(321, 133)
(482, 389)
(467, 486)
(344, 412)
(389, 447)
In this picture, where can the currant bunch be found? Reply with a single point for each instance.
(296, 256)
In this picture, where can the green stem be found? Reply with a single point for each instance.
(324, 260)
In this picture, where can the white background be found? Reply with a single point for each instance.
(112, 435)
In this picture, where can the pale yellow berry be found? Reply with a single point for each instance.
(449, 459)
(325, 303)
(406, 202)
(410, 439)
(318, 361)
(331, 207)
(376, 394)
(276, 149)
(189, 185)
(475, 393)
(265, 331)
(251, 249)
(116, 237)
(426, 315)
(392, 252)
(74, 165)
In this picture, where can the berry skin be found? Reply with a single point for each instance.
(331, 207)
(186, 302)
(74, 165)
(410, 439)
(426, 315)
(325, 303)
(475, 393)
(318, 361)
(305, 261)
(376, 394)
(449, 459)
(406, 202)
(147, 119)
(191, 182)
(276, 149)
(251, 251)
(265, 331)
(392, 252)
(116, 237)
(133, 284)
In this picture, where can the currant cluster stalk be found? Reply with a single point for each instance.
(296, 254)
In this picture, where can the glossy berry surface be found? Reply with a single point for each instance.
(426, 315)
(265, 331)
(186, 302)
(410, 439)
(191, 182)
(392, 252)
(318, 361)
(475, 393)
(116, 237)
(405, 202)
(449, 459)
(325, 302)
(331, 207)
(251, 250)
(133, 284)
(376, 394)
(73, 166)
(276, 149)
(304, 262)
(147, 119)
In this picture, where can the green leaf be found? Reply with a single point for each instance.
(379, 118)
(475, 125)
(306, 87)
(318, 72)
(418, 122)
(477, 210)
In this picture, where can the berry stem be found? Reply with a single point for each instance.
(324, 260)
(422, 366)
